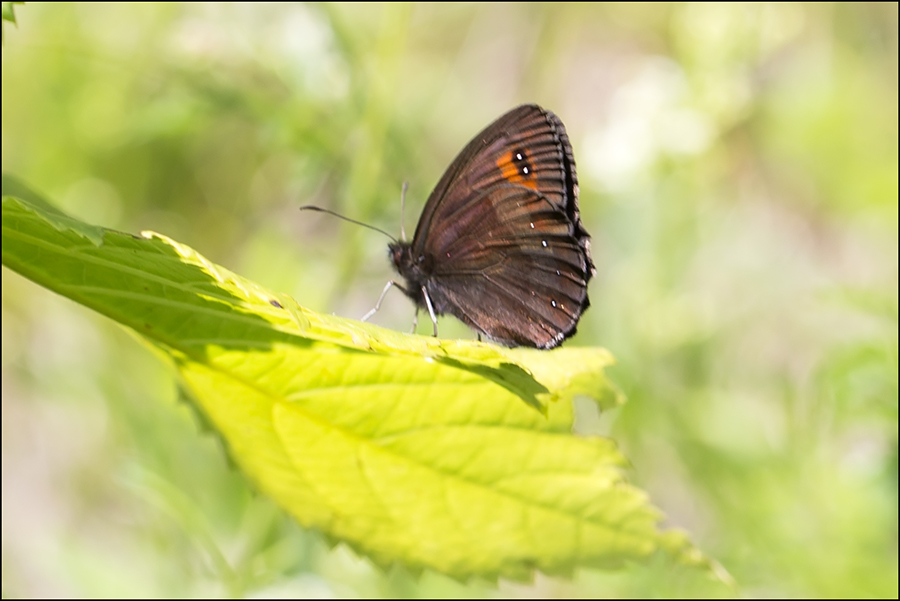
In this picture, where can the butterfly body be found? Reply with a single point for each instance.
(500, 244)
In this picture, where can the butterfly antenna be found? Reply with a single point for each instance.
(402, 210)
(339, 216)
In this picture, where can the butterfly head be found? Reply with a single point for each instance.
(416, 268)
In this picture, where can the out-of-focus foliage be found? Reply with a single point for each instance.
(738, 169)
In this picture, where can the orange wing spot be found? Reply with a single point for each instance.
(517, 169)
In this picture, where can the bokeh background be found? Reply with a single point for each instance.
(739, 176)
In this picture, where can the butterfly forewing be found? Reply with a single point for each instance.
(526, 138)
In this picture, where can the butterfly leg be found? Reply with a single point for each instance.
(415, 322)
(381, 298)
(430, 310)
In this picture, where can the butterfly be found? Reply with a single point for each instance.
(500, 243)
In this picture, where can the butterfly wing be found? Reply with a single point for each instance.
(508, 254)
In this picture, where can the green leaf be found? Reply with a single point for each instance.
(452, 455)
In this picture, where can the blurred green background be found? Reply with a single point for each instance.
(739, 176)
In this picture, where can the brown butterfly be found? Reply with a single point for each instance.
(500, 244)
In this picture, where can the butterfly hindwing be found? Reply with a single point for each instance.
(502, 275)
